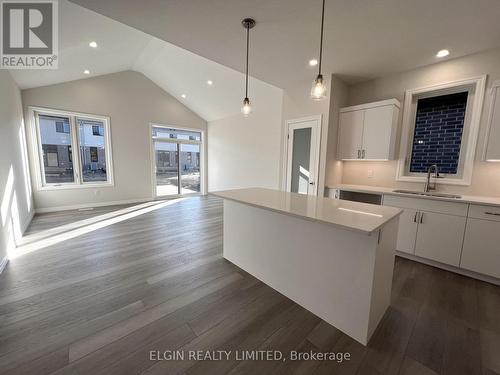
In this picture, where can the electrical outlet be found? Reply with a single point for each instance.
(370, 173)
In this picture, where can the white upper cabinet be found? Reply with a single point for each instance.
(368, 131)
(351, 134)
(492, 152)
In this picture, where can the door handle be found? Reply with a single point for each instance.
(421, 218)
(311, 182)
(415, 218)
(363, 154)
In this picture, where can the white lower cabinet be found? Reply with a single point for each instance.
(407, 232)
(430, 229)
(466, 236)
(440, 237)
(481, 251)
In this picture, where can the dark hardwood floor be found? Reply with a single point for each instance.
(153, 278)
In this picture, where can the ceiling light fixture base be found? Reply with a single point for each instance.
(248, 23)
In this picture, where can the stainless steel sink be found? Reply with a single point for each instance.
(439, 195)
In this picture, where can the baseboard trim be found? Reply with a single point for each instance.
(3, 263)
(44, 210)
(460, 271)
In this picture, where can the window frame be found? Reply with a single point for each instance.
(476, 90)
(37, 151)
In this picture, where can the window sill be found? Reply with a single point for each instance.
(75, 186)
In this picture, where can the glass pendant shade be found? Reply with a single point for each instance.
(247, 108)
(318, 89)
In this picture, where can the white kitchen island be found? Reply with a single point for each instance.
(335, 258)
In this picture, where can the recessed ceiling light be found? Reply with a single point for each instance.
(93, 44)
(443, 53)
(86, 71)
(183, 96)
(313, 62)
(210, 83)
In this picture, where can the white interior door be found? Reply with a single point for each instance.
(304, 137)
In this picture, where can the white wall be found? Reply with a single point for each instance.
(16, 205)
(132, 102)
(338, 98)
(245, 152)
(486, 176)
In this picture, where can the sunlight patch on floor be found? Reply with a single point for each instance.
(56, 235)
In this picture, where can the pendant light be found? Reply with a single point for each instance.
(247, 23)
(318, 90)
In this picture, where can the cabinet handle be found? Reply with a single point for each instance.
(359, 154)
(421, 218)
(362, 154)
(415, 218)
(492, 213)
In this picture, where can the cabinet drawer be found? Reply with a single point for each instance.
(481, 252)
(426, 204)
(484, 212)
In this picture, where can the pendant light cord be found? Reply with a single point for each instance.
(321, 38)
(246, 76)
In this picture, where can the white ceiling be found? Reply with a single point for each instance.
(182, 72)
(118, 48)
(363, 38)
(121, 47)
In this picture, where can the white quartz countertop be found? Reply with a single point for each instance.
(362, 217)
(475, 199)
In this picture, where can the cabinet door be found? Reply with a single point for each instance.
(378, 132)
(350, 134)
(440, 237)
(407, 231)
(481, 252)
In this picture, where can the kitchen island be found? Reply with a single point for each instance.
(335, 258)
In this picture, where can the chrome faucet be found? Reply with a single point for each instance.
(428, 186)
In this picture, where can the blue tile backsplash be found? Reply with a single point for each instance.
(439, 126)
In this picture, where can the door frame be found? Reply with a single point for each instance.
(153, 158)
(287, 150)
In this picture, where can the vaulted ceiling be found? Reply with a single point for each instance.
(363, 38)
(180, 45)
(120, 47)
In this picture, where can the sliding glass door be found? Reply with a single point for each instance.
(177, 161)
(167, 168)
(190, 168)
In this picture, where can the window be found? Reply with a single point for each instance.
(98, 130)
(177, 155)
(92, 149)
(56, 150)
(62, 127)
(440, 126)
(437, 137)
(58, 133)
